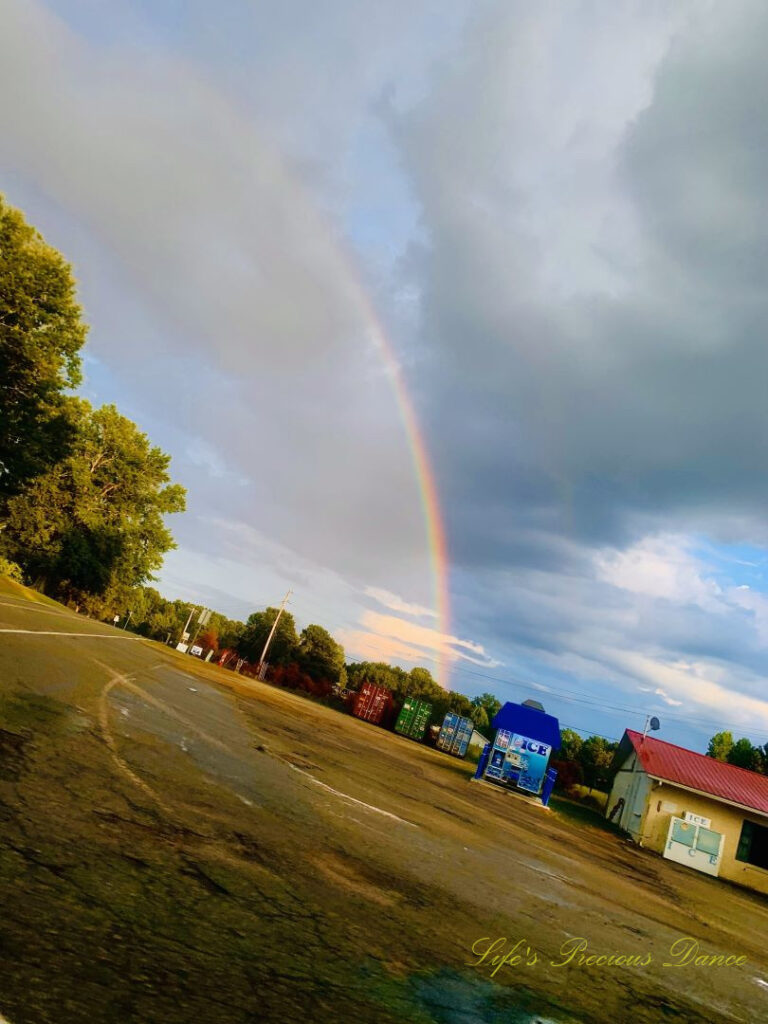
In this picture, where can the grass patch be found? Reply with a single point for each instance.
(580, 814)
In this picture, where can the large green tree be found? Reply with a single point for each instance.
(595, 757)
(319, 655)
(41, 333)
(490, 703)
(379, 673)
(251, 642)
(93, 524)
(480, 718)
(744, 755)
(570, 746)
(720, 746)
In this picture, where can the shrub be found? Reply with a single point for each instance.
(11, 570)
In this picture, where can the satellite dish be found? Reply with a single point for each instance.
(654, 724)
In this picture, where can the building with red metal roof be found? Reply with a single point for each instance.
(693, 809)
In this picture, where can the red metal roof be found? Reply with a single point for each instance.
(697, 771)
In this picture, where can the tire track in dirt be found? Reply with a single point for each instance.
(109, 739)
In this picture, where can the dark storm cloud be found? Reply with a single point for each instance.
(640, 396)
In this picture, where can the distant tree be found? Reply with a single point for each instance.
(378, 673)
(209, 640)
(491, 704)
(41, 333)
(292, 677)
(93, 524)
(720, 746)
(744, 755)
(570, 746)
(595, 757)
(319, 655)
(480, 717)
(282, 650)
(460, 704)
(421, 682)
(230, 633)
(162, 624)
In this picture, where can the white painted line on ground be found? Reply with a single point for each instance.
(58, 632)
(345, 796)
(27, 606)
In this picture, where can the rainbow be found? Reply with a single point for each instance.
(425, 479)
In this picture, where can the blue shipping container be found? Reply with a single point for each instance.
(455, 734)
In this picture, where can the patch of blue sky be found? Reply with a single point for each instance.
(733, 564)
(380, 216)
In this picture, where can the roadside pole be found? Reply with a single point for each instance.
(272, 633)
(184, 632)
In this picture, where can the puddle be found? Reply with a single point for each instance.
(454, 997)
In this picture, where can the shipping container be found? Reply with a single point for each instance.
(455, 734)
(372, 703)
(413, 718)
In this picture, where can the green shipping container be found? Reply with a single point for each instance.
(414, 718)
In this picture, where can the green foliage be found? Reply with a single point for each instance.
(491, 704)
(92, 525)
(744, 755)
(11, 570)
(41, 333)
(595, 757)
(570, 746)
(740, 753)
(480, 717)
(720, 746)
(460, 704)
(284, 644)
(319, 655)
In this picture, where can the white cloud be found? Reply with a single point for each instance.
(666, 698)
(660, 567)
(396, 603)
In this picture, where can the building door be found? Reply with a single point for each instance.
(694, 845)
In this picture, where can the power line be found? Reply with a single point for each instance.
(577, 698)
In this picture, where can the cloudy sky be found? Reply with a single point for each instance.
(541, 229)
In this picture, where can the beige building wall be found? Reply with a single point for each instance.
(631, 785)
(665, 801)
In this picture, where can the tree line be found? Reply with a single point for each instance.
(583, 761)
(309, 660)
(741, 753)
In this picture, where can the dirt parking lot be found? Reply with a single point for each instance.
(180, 845)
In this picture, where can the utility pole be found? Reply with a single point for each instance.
(186, 628)
(272, 633)
(202, 620)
